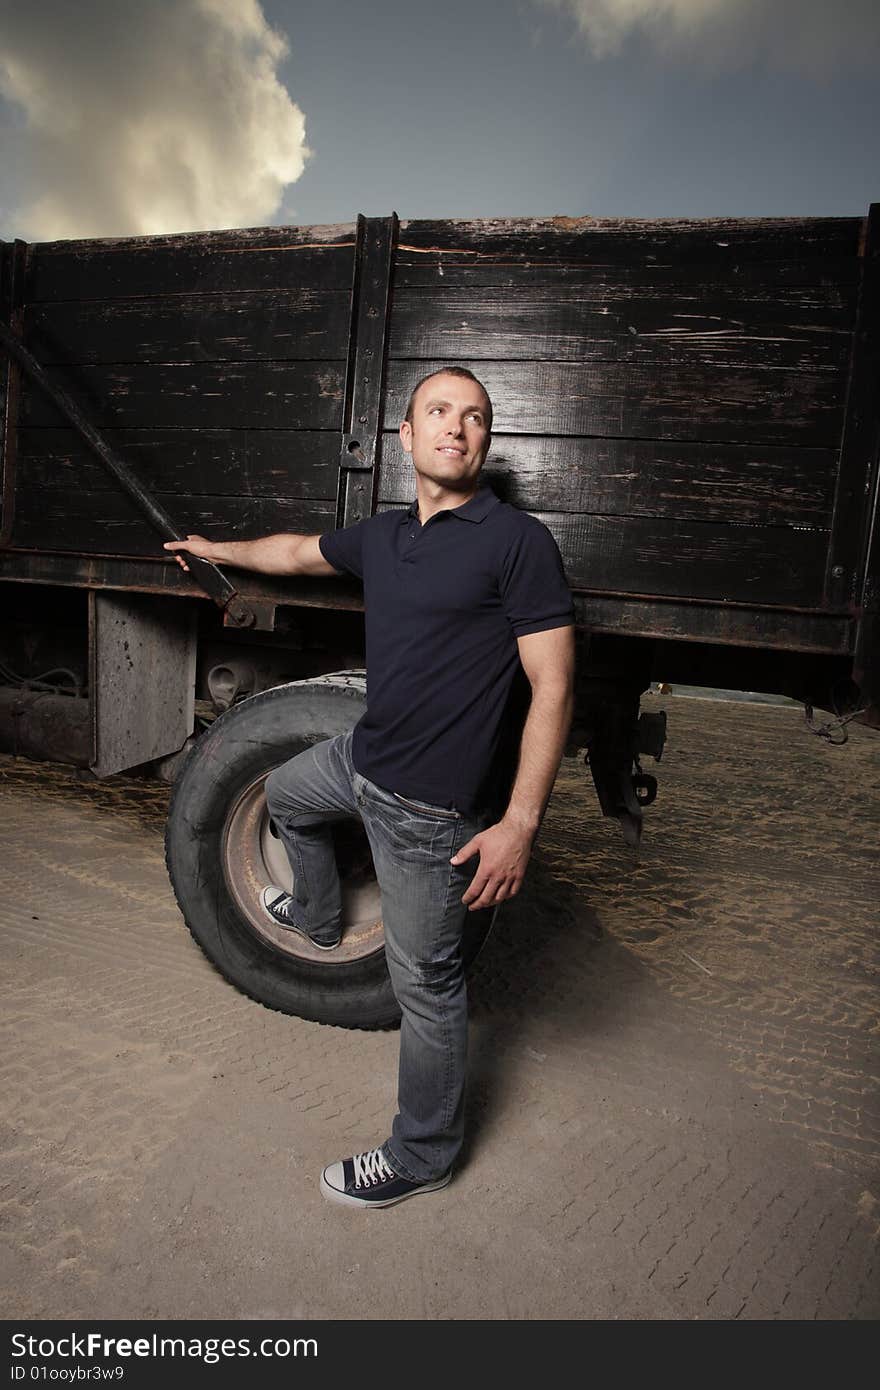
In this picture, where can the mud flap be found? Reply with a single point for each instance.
(142, 668)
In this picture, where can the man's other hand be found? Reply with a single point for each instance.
(504, 850)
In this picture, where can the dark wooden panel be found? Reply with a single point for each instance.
(722, 482)
(728, 624)
(281, 324)
(807, 328)
(266, 395)
(633, 241)
(734, 564)
(107, 523)
(258, 259)
(416, 270)
(646, 557)
(246, 463)
(737, 406)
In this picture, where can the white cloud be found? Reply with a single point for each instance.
(817, 37)
(146, 116)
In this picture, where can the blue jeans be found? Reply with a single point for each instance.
(424, 920)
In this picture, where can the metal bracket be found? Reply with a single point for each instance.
(260, 615)
(651, 734)
(371, 304)
(13, 268)
(856, 475)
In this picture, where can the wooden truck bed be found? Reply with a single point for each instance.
(690, 407)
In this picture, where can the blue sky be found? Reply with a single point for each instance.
(500, 109)
(127, 116)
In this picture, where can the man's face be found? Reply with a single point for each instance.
(449, 435)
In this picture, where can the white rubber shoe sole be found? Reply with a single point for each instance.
(332, 1188)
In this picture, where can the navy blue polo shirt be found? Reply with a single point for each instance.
(444, 605)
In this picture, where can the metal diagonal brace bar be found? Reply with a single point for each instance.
(206, 574)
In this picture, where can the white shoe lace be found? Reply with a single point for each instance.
(371, 1168)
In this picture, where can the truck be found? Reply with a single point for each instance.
(690, 407)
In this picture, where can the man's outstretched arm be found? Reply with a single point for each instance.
(504, 848)
(282, 554)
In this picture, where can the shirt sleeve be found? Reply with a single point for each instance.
(534, 589)
(344, 549)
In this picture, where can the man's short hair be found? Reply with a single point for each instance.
(446, 371)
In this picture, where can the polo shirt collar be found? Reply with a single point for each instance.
(479, 506)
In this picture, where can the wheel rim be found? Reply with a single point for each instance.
(253, 858)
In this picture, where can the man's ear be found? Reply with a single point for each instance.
(406, 436)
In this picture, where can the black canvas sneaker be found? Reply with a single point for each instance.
(366, 1181)
(286, 912)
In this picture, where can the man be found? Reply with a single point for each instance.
(462, 593)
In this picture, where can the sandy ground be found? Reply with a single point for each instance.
(672, 1114)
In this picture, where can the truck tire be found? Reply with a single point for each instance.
(221, 852)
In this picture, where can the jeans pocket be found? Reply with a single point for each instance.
(424, 808)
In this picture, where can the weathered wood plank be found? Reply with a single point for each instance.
(806, 328)
(237, 463)
(734, 564)
(283, 325)
(224, 239)
(427, 270)
(614, 241)
(729, 483)
(259, 259)
(265, 395)
(737, 406)
(108, 523)
(724, 624)
(722, 482)
(726, 483)
(623, 555)
(647, 557)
